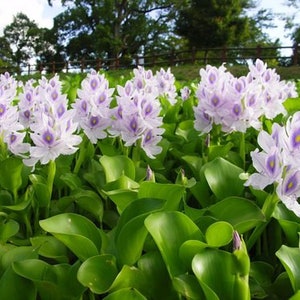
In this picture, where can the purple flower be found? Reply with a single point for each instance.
(92, 107)
(288, 190)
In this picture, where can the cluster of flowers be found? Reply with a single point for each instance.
(279, 162)
(41, 115)
(44, 114)
(136, 117)
(239, 103)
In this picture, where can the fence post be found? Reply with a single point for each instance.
(28, 69)
(194, 55)
(82, 65)
(295, 54)
(258, 51)
(98, 66)
(224, 54)
(53, 67)
(67, 66)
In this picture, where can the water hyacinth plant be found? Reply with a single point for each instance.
(150, 189)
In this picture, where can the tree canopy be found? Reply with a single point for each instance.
(114, 28)
(92, 29)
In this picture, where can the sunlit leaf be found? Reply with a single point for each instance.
(172, 193)
(115, 166)
(125, 294)
(77, 232)
(52, 281)
(290, 259)
(219, 234)
(50, 247)
(131, 232)
(98, 273)
(169, 230)
(223, 178)
(11, 173)
(241, 213)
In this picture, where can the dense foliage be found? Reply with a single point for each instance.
(146, 189)
(102, 30)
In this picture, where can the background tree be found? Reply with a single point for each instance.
(206, 23)
(22, 36)
(114, 28)
(5, 56)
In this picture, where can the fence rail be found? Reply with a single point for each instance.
(201, 56)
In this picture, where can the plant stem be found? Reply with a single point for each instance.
(82, 153)
(50, 181)
(267, 209)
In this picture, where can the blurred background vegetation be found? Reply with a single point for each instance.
(120, 31)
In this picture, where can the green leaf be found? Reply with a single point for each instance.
(125, 294)
(189, 249)
(219, 234)
(11, 173)
(131, 232)
(16, 254)
(169, 230)
(8, 229)
(213, 269)
(290, 259)
(115, 166)
(13, 286)
(130, 277)
(171, 193)
(52, 281)
(98, 273)
(241, 213)
(89, 201)
(157, 277)
(50, 247)
(223, 178)
(77, 232)
(188, 286)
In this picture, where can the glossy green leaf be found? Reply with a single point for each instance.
(187, 130)
(171, 193)
(131, 232)
(189, 249)
(131, 240)
(241, 213)
(8, 229)
(77, 232)
(17, 254)
(98, 273)
(115, 166)
(122, 198)
(188, 286)
(52, 281)
(169, 230)
(290, 259)
(219, 234)
(130, 277)
(13, 286)
(11, 173)
(213, 269)
(50, 247)
(125, 294)
(157, 277)
(261, 277)
(89, 201)
(223, 178)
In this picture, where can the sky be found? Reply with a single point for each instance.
(43, 14)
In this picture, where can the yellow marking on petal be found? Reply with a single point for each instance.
(290, 185)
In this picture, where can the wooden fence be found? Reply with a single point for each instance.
(199, 56)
